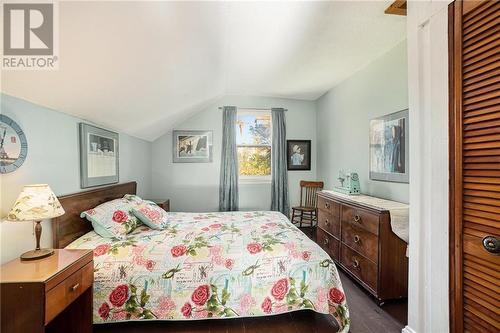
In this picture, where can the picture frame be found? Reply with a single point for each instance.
(389, 148)
(192, 146)
(298, 155)
(99, 156)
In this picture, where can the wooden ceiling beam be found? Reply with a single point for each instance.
(398, 7)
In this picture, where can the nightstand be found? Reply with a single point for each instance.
(165, 204)
(52, 294)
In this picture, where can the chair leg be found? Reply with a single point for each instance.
(301, 217)
(293, 216)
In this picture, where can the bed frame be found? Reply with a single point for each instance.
(70, 226)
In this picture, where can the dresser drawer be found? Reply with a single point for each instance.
(330, 244)
(329, 223)
(328, 206)
(361, 218)
(67, 291)
(360, 240)
(359, 266)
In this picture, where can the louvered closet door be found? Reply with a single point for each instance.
(475, 165)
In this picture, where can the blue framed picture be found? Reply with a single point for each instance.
(389, 148)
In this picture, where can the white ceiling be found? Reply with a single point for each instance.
(141, 67)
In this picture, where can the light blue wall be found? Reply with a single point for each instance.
(337, 123)
(53, 158)
(343, 116)
(195, 186)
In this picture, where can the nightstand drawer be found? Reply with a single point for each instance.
(59, 297)
(361, 218)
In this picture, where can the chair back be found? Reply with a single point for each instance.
(308, 192)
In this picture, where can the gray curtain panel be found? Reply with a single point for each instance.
(228, 186)
(279, 184)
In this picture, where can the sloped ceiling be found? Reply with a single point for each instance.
(141, 67)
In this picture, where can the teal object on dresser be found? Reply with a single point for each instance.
(351, 187)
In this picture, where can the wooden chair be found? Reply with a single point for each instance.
(307, 211)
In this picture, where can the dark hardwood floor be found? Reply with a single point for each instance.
(366, 317)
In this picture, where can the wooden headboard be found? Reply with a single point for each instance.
(70, 226)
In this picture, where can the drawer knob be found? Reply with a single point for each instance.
(327, 222)
(325, 241)
(75, 287)
(356, 239)
(327, 205)
(355, 263)
(357, 218)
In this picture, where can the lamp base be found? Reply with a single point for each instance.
(37, 254)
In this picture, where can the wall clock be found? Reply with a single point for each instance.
(13, 145)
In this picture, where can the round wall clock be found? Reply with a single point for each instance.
(13, 145)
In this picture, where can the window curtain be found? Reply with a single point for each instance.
(279, 183)
(228, 186)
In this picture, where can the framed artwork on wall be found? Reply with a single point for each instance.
(99, 160)
(389, 148)
(298, 154)
(192, 146)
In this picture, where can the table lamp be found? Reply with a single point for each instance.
(36, 203)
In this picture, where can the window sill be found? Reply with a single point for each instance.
(254, 180)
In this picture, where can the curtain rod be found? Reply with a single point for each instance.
(257, 109)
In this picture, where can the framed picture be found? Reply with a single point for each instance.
(298, 154)
(192, 146)
(389, 140)
(98, 156)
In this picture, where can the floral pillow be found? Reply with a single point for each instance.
(134, 199)
(113, 218)
(151, 215)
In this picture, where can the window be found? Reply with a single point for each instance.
(253, 139)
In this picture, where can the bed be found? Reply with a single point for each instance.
(203, 265)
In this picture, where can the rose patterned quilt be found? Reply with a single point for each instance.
(213, 265)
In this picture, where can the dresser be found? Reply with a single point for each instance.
(52, 294)
(360, 240)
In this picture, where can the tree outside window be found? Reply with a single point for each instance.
(253, 139)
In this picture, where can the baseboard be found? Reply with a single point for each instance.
(408, 329)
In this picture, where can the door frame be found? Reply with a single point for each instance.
(455, 165)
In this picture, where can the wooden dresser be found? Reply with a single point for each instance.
(360, 240)
(52, 294)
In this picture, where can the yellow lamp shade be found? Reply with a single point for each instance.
(35, 203)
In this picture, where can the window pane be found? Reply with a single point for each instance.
(253, 129)
(254, 161)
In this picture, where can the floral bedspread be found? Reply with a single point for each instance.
(213, 265)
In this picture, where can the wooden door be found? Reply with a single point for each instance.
(474, 166)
